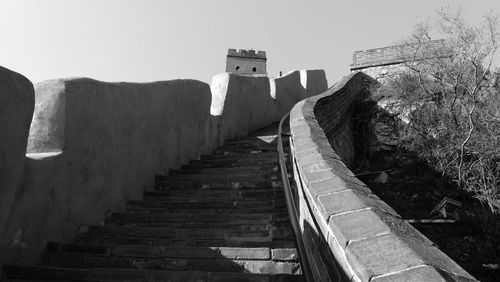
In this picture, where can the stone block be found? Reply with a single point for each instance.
(422, 273)
(334, 184)
(285, 254)
(244, 253)
(350, 200)
(363, 224)
(389, 253)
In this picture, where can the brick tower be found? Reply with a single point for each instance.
(246, 62)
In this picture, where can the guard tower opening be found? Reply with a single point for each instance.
(246, 62)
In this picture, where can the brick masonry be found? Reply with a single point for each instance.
(345, 225)
(398, 54)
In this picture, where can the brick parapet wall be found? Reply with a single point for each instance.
(398, 54)
(367, 238)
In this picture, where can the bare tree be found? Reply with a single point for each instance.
(454, 121)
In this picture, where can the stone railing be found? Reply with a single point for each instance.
(94, 145)
(348, 231)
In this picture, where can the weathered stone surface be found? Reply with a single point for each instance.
(389, 253)
(244, 253)
(422, 273)
(350, 200)
(363, 224)
(17, 101)
(345, 211)
(285, 254)
(335, 184)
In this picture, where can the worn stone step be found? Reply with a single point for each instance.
(47, 273)
(141, 217)
(169, 236)
(215, 194)
(247, 242)
(224, 177)
(228, 225)
(259, 233)
(234, 162)
(180, 264)
(221, 171)
(197, 184)
(208, 203)
(251, 155)
(197, 210)
(263, 253)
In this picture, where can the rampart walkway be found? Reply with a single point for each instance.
(220, 218)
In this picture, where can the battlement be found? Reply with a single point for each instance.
(397, 54)
(242, 53)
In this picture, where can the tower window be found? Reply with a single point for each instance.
(254, 69)
(237, 68)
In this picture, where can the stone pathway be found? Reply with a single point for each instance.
(220, 218)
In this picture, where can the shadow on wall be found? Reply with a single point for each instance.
(94, 145)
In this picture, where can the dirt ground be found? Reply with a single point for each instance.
(413, 189)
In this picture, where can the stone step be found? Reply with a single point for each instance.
(235, 162)
(184, 264)
(243, 232)
(250, 242)
(206, 210)
(264, 253)
(207, 203)
(167, 218)
(220, 259)
(226, 171)
(251, 194)
(223, 177)
(47, 273)
(252, 155)
(221, 185)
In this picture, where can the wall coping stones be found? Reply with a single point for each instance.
(370, 241)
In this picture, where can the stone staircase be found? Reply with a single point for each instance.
(220, 218)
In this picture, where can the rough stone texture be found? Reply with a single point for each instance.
(17, 101)
(389, 253)
(94, 145)
(368, 239)
(362, 224)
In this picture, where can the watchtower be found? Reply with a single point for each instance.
(246, 62)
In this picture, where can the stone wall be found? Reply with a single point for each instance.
(94, 145)
(398, 54)
(17, 100)
(346, 227)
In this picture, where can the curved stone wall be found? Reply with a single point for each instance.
(17, 100)
(345, 225)
(94, 145)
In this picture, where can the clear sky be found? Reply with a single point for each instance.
(148, 40)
